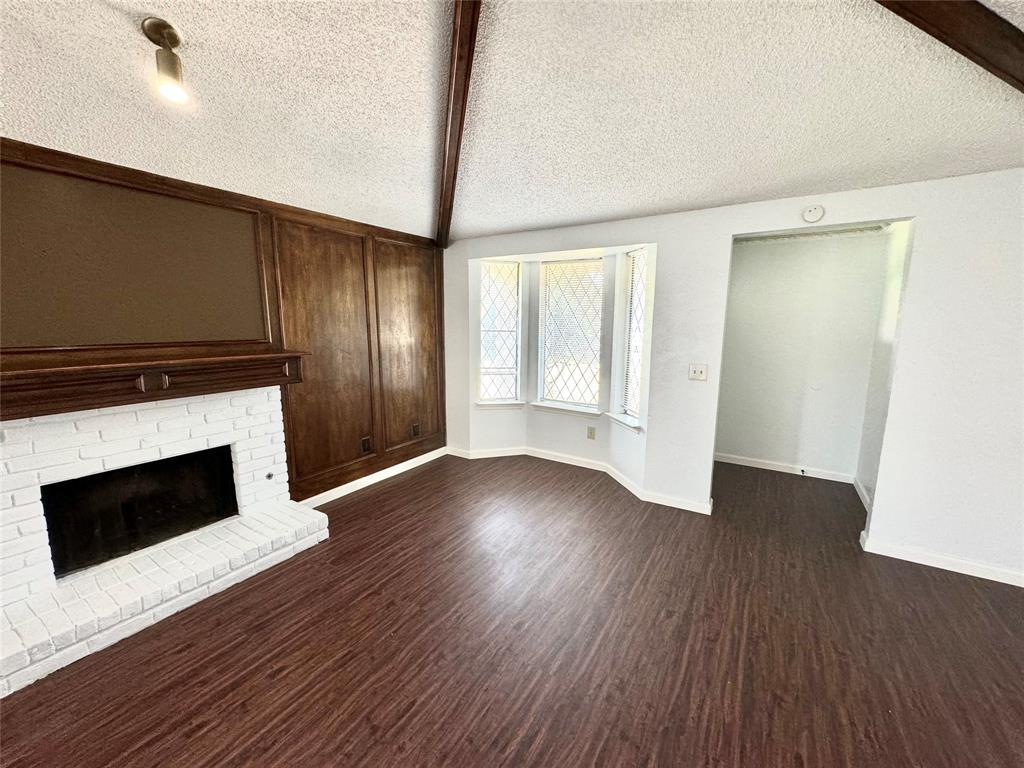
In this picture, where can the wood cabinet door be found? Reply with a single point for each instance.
(329, 417)
(407, 279)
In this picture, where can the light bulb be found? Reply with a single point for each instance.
(168, 67)
(172, 91)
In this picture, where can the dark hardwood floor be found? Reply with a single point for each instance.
(524, 613)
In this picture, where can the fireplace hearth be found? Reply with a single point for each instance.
(115, 518)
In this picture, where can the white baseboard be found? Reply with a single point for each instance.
(689, 505)
(567, 458)
(946, 562)
(911, 554)
(701, 507)
(486, 453)
(777, 466)
(376, 477)
(865, 498)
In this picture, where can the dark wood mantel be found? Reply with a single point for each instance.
(36, 391)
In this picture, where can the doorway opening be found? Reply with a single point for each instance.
(809, 348)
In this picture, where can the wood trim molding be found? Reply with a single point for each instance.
(464, 25)
(77, 388)
(972, 30)
(33, 156)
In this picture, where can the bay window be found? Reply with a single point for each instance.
(567, 331)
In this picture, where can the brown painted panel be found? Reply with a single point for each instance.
(330, 415)
(408, 326)
(69, 375)
(87, 262)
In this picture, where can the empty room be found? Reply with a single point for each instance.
(512, 383)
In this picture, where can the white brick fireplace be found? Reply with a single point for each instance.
(49, 622)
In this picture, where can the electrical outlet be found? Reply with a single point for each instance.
(698, 371)
(591, 433)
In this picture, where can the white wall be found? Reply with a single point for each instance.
(951, 478)
(883, 357)
(800, 329)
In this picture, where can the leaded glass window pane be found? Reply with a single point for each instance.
(499, 330)
(571, 298)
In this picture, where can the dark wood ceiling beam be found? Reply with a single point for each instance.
(972, 30)
(467, 14)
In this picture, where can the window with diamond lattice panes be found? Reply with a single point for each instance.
(632, 378)
(499, 330)
(570, 325)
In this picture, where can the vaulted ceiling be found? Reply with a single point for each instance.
(577, 112)
(588, 112)
(1011, 10)
(332, 106)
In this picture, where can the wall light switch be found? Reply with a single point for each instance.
(698, 371)
(591, 433)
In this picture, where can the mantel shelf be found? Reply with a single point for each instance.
(26, 392)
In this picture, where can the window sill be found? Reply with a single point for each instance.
(500, 404)
(627, 421)
(580, 410)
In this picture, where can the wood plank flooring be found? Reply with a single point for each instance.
(517, 612)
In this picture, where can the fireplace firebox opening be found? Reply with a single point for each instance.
(99, 517)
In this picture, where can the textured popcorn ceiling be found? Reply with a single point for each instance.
(1011, 10)
(578, 111)
(584, 112)
(336, 107)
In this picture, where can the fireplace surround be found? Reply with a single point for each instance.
(53, 615)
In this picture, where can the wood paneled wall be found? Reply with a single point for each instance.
(123, 248)
(369, 310)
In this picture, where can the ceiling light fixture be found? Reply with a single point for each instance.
(168, 65)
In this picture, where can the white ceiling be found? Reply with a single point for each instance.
(336, 107)
(584, 112)
(578, 111)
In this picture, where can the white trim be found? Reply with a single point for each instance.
(581, 410)
(566, 458)
(865, 497)
(688, 505)
(376, 477)
(625, 420)
(910, 554)
(486, 453)
(946, 562)
(700, 507)
(498, 405)
(777, 466)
